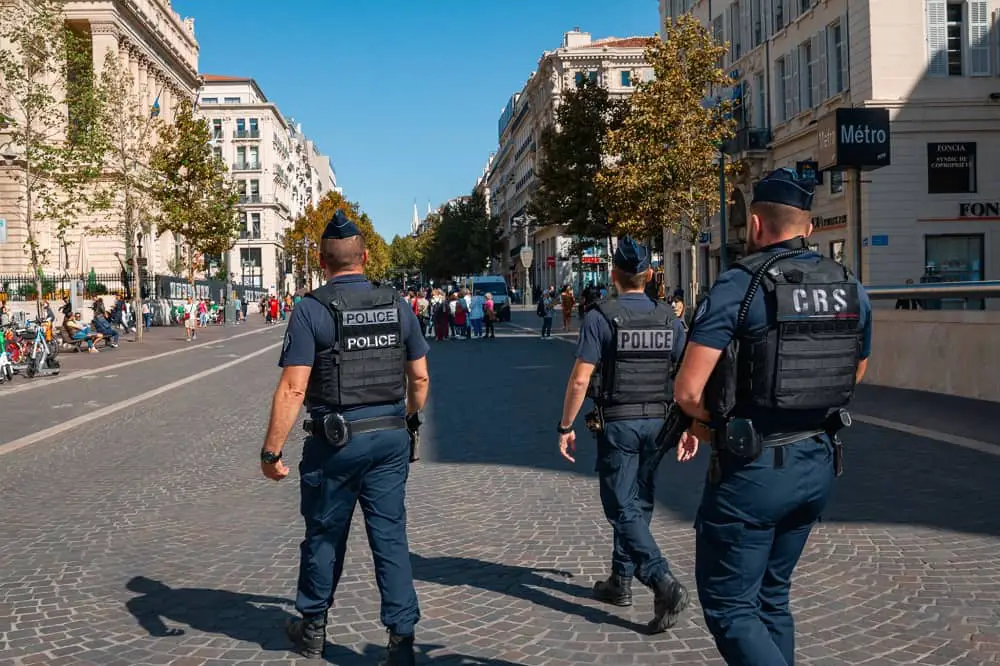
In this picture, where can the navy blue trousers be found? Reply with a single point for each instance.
(627, 481)
(751, 530)
(371, 471)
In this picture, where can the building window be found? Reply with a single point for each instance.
(217, 151)
(254, 130)
(779, 14)
(735, 31)
(783, 80)
(719, 37)
(231, 100)
(837, 250)
(955, 41)
(253, 157)
(254, 190)
(836, 58)
(254, 225)
(760, 105)
(626, 78)
(209, 100)
(836, 182)
(241, 157)
(954, 258)
(216, 128)
(806, 65)
(757, 16)
(804, 6)
(241, 127)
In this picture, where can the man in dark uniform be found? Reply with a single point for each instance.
(624, 361)
(356, 354)
(773, 356)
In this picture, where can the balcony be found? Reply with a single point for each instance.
(246, 134)
(748, 142)
(250, 199)
(246, 166)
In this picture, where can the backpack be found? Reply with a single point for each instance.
(540, 310)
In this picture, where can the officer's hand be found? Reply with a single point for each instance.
(567, 444)
(276, 471)
(687, 447)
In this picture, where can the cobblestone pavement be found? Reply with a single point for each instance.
(149, 537)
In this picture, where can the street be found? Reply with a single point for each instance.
(140, 530)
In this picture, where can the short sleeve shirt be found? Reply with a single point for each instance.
(311, 329)
(714, 326)
(596, 335)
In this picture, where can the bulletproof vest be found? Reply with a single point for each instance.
(808, 357)
(367, 363)
(638, 366)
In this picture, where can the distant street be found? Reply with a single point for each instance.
(146, 534)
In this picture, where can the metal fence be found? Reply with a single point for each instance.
(56, 287)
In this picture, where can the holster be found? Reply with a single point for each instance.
(739, 438)
(594, 420)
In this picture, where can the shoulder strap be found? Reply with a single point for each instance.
(761, 263)
(609, 311)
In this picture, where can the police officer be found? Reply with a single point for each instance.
(355, 353)
(773, 356)
(625, 355)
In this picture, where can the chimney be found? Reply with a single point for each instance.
(575, 38)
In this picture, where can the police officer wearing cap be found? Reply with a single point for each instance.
(356, 355)
(773, 356)
(625, 356)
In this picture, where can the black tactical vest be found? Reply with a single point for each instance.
(806, 360)
(637, 368)
(367, 363)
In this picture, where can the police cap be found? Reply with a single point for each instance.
(340, 227)
(631, 257)
(786, 187)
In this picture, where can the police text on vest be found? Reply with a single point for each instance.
(646, 340)
(380, 341)
(371, 317)
(817, 300)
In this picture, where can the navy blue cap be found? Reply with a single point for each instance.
(786, 187)
(631, 257)
(340, 227)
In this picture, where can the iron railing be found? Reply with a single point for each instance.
(939, 295)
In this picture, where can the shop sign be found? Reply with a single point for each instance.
(979, 209)
(854, 138)
(828, 223)
(951, 168)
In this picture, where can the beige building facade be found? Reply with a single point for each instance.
(160, 51)
(614, 63)
(278, 172)
(934, 65)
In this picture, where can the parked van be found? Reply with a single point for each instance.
(492, 284)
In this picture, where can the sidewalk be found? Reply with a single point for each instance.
(155, 340)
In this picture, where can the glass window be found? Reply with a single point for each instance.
(955, 41)
(578, 78)
(626, 78)
(837, 251)
(241, 125)
(255, 225)
(217, 151)
(954, 258)
(209, 100)
(231, 100)
(254, 188)
(254, 157)
(217, 128)
(592, 76)
(837, 57)
(836, 182)
(253, 126)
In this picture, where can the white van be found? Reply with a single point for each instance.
(492, 284)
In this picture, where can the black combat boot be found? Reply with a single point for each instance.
(616, 590)
(400, 651)
(308, 634)
(669, 600)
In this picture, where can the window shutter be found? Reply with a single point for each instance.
(820, 79)
(746, 26)
(937, 37)
(979, 38)
(845, 53)
(791, 10)
(786, 88)
(794, 90)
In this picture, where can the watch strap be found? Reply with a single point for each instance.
(563, 431)
(269, 457)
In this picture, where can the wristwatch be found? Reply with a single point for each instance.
(268, 457)
(564, 431)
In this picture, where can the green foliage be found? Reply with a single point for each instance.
(195, 198)
(92, 281)
(572, 151)
(463, 241)
(309, 227)
(405, 252)
(663, 172)
(47, 112)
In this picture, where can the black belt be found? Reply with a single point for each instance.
(359, 427)
(646, 410)
(776, 440)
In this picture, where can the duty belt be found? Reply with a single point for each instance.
(776, 440)
(359, 427)
(647, 410)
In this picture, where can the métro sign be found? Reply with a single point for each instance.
(854, 139)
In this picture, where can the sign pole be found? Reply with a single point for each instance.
(858, 270)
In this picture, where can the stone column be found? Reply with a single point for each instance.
(104, 37)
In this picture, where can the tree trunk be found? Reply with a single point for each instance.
(692, 299)
(36, 267)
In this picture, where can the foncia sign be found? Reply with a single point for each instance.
(854, 139)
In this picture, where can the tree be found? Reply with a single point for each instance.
(303, 238)
(572, 151)
(196, 200)
(663, 172)
(405, 252)
(464, 240)
(45, 80)
(125, 126)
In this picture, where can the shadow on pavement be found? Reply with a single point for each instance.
(251, 618)
(515, 581)
(497, 403)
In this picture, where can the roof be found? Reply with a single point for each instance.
(615, 42)
(219, 78)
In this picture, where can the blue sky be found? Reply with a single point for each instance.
(404, 95)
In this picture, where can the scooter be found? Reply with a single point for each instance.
(41, 362)
(6, 367)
